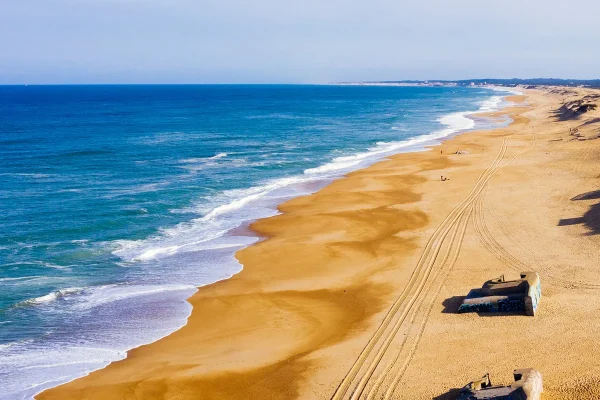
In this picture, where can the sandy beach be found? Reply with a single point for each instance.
(354, 290)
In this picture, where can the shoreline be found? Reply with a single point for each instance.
(422, 143)
(288, 329)
(447, 128)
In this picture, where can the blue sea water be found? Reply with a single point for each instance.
(116, 202)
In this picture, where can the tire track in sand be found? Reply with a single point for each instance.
(500, 252)
(398, 376)
(444, 271)
(376, 349)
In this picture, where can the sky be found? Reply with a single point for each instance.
(295, 41)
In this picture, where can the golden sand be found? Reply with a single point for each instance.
(348, 296)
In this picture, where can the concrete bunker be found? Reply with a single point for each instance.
(498, 295)
(527, 386)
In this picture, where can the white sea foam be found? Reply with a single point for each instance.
(56, 266)
(142, 188)
(247, 196)
(102, 295)
(200, 163)
(13, 344)
(453, 123)
(185, 236)
(230, 208)
(157, 251)
(28, 367)
(202, 159)
(491, 104)
(20, 278)
(195, 165)
(506, 90)
(52, 296)
(42, 263)
(90, 297)
(26, 175)
(69, 191)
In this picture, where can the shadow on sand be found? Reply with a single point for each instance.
(451, 304)
(591, 218)
(573, 109)
(593, 195)
(452, 394)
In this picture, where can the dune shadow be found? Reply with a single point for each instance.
(452, 394)
(593, 195)
(451, 304)
(573, 109)
(590, 122)
(590, 219)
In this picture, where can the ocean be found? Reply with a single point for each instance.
(117, 202)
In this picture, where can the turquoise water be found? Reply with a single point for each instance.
(116, 202)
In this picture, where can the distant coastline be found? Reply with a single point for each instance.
(515, 82)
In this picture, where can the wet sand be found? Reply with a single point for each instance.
(353, 293)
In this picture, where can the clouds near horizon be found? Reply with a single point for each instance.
(227, 41)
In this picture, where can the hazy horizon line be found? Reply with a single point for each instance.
(294, 83)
